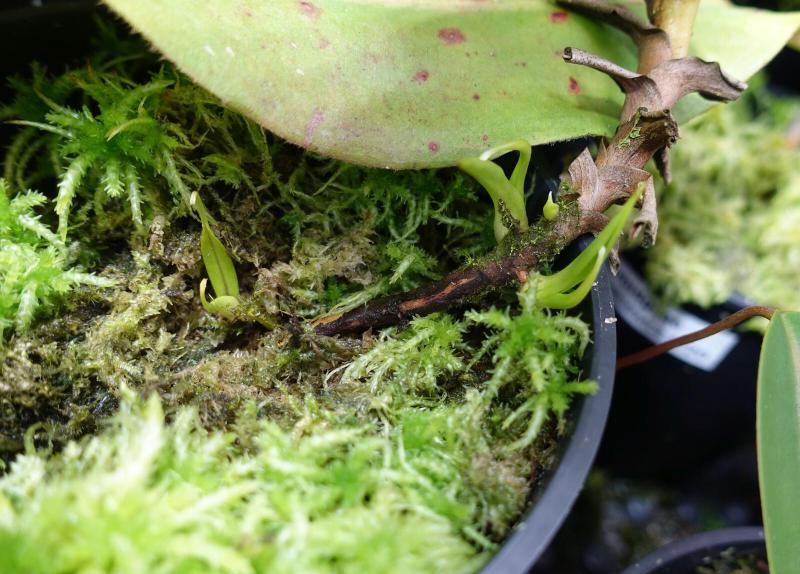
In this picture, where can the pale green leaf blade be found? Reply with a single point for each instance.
(410, 83)
(393, 84)
(743, 40)
(778, 435)
(218, 264)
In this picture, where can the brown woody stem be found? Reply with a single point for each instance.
(726, 323)
(461, 286)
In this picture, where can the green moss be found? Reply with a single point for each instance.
(730, 221)
(36, 267)
(262, 447)
(357, 474)
(532, 354)
(149, 497)
(731, 562)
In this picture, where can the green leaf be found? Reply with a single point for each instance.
(778, 435)
(509, 191)
(218, 264)
(421, 83)
(743, 40)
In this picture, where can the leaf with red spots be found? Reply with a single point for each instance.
(394, 83)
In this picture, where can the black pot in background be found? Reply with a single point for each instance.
(57, 33)
(672, 415)
(53, 32)
(681, 410)
(684, 556)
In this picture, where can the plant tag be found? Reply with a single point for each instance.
(634, 303)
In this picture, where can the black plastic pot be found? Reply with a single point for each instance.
(684, 556)
(57, 33)
(556, 493)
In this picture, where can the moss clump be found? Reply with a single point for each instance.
(151, 497)
(36, 267)
(730, 221)
(262, 446)
(359, 473)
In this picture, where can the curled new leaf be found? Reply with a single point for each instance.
(508, 194)
(568, 287)
(224, 306)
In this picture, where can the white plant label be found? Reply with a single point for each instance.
(633, 303)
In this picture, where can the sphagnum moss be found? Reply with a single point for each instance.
(259, 449)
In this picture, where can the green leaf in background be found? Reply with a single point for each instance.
(742, 39)
(778, 435)
(421, 83)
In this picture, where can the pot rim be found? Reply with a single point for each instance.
(694, 548)
(555, 498)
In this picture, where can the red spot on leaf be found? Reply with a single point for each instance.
(476, 97)
(308, 8)
(574, 86)
(558, 17)
(324, 43)
(485, 138)
(433, 146)
(316, 119)
(422, 76)
(451, 36)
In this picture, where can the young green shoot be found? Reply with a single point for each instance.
(219, 267)
(550, 209)
(568, 287)
(508, 194)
